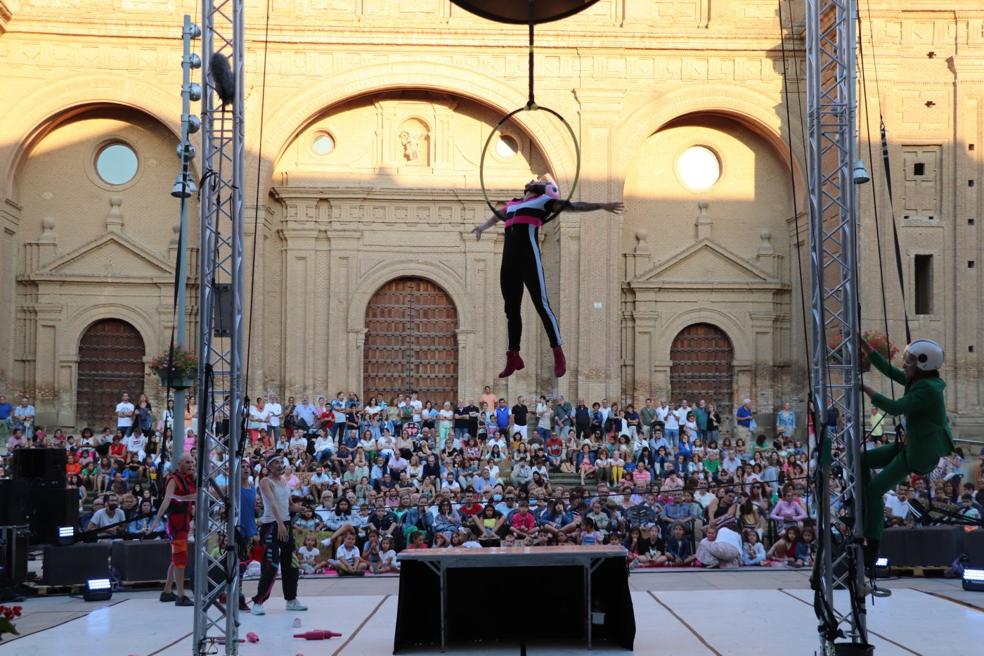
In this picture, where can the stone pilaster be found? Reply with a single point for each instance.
(596, 354)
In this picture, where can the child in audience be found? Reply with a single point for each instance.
(752, 551)
(679, 548)
(309, 556)
(387, 557)
(348, 560)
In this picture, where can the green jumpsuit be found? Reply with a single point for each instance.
(928, 439)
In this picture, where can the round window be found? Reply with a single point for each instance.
(506, 147)
(323, 144)
(699, 168)
(116, 164)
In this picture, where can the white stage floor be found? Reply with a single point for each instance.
(677, 623)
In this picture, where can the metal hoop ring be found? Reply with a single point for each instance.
(495, 130)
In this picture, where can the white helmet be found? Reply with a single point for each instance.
(927, 354)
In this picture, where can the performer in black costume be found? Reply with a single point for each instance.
(523, 265)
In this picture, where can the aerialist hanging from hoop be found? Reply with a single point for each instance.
(523, 265)
(927, 431)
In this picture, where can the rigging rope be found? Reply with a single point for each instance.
(256, 220)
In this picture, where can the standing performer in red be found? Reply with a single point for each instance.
(522, 264)
(179, 497)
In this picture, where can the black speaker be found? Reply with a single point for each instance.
(51, 508)
(13, 502)
(76, 564)
(43, 466)
(141, 560)
(14, 546)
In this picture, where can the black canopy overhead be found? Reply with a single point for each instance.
(518, 11)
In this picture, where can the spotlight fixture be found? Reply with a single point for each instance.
(184, 186)
(860, 175)
(98, 590)
(186, 152)
(194, 123)
(194, 61)
(194, 91)
(973, 579)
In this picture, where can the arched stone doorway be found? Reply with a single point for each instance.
(411, 342)
(701, 356)
(110, 363)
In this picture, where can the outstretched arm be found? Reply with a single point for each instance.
(491, 221)
(568, 206)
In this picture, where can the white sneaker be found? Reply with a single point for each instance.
(294, 604)
(257, 609)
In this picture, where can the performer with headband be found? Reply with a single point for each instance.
(927, 431)
(523, 265)
(179, 497)
(277, 539)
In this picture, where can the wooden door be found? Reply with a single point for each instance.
(411, 342)
(701, 356)
(110, 362)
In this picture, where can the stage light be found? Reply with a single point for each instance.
(194, 61)
(194, 124)
(194, 91)
(881, 562)
(860, 175)
(98, 590)
(184, 186)
(66, 535)
(973, 579)
(186, 152)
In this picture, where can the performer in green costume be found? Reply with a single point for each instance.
(927, 430)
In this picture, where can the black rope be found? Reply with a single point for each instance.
(531, 101)
(256, 218)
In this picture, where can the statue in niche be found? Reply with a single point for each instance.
(411, 145)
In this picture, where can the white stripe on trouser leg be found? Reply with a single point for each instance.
(543, 285)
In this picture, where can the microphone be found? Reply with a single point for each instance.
(225, 81)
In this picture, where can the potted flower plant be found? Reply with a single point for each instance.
(878, 341)
(182, 366)
(7, 615)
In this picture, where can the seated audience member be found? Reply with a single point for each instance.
(111, 517)
(784, 549)
(522, 523)
(721, 547)
(752, 551)
(309, 556)
(679, 548)
(348, 560)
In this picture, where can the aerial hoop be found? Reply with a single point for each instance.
(529, 107)
(541, 11)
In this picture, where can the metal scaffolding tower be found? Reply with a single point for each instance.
(834, 363)
(220, 394)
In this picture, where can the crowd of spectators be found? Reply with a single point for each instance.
(677, 485)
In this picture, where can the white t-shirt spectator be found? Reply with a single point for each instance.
(136, 443)
(298, 442)
(124, 420)
(900, 509)
(349, 556)
(661, 413)
(102, 517)
(727, 536)
(275, 411)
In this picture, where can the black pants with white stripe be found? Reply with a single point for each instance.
(522, 265)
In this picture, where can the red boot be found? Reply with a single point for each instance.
(513, 364)
(560, 362)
